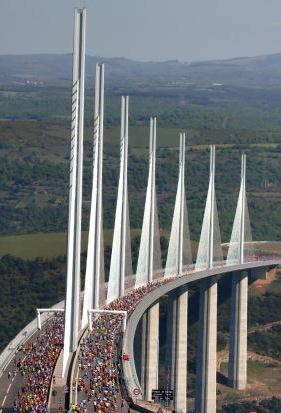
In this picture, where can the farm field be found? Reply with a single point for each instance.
(46, 246)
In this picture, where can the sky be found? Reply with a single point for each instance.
(186, 30)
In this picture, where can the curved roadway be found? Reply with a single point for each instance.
(129, 369)
(10, 386)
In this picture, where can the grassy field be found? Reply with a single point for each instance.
(263, 379)
(50, 245)
(31, 246)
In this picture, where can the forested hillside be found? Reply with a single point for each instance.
(56, 69)
(34, 171)
(234, 104)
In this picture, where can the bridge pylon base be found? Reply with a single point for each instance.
(150, 351)
(206, 370)
(237, 368)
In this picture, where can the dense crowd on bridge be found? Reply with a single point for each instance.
(100, 359)
(36, 362)
(99, 365)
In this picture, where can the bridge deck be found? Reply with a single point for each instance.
(10, 386)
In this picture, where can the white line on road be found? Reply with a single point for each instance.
(9, 388)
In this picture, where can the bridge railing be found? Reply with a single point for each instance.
(21, 339)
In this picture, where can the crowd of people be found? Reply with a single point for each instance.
(99, 360)
(100, 356)
(36, 362)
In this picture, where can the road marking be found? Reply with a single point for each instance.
(9, 387)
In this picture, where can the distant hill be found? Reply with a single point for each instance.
(261, 71)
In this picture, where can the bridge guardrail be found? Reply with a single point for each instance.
(21, 339)
(131, 378)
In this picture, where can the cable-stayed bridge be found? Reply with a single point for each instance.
(81, 353)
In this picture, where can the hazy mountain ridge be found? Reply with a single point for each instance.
(260, 71)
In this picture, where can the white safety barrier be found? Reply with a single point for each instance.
(120, 312)
(21, 338)
(46, 310)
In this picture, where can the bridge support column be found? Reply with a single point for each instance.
(180, 376)
(237, 369)
(143, 352)
(177, 348)
(171, 338)
(150, 351)
(206, 371)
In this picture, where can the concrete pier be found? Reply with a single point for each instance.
(143, 352)
(206, 370)
(237, 369)
(177, 348)
(180, 375)
(150, 351)
(171, 311)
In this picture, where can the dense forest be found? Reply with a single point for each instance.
(34, 171)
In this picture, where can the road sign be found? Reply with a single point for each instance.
(162, 394)
(136, 391)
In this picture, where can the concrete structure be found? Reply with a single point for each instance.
(150, 351)
(206, 369)
(72, 302)
(237, 369)
(209, 277)
(209, 265)
(149, 260)
(179, 252)
(177, 311)
(94, 278)
(241, 234)
(179, 256)
(206, 374)
(209, 249)
(241, 245)
(7, 358)
(121, 260)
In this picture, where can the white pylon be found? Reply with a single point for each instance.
(179, 251)
(241, 236)
(72, 301)
(121, 261)
(94, 278)
(149, 259)
(209, 249)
